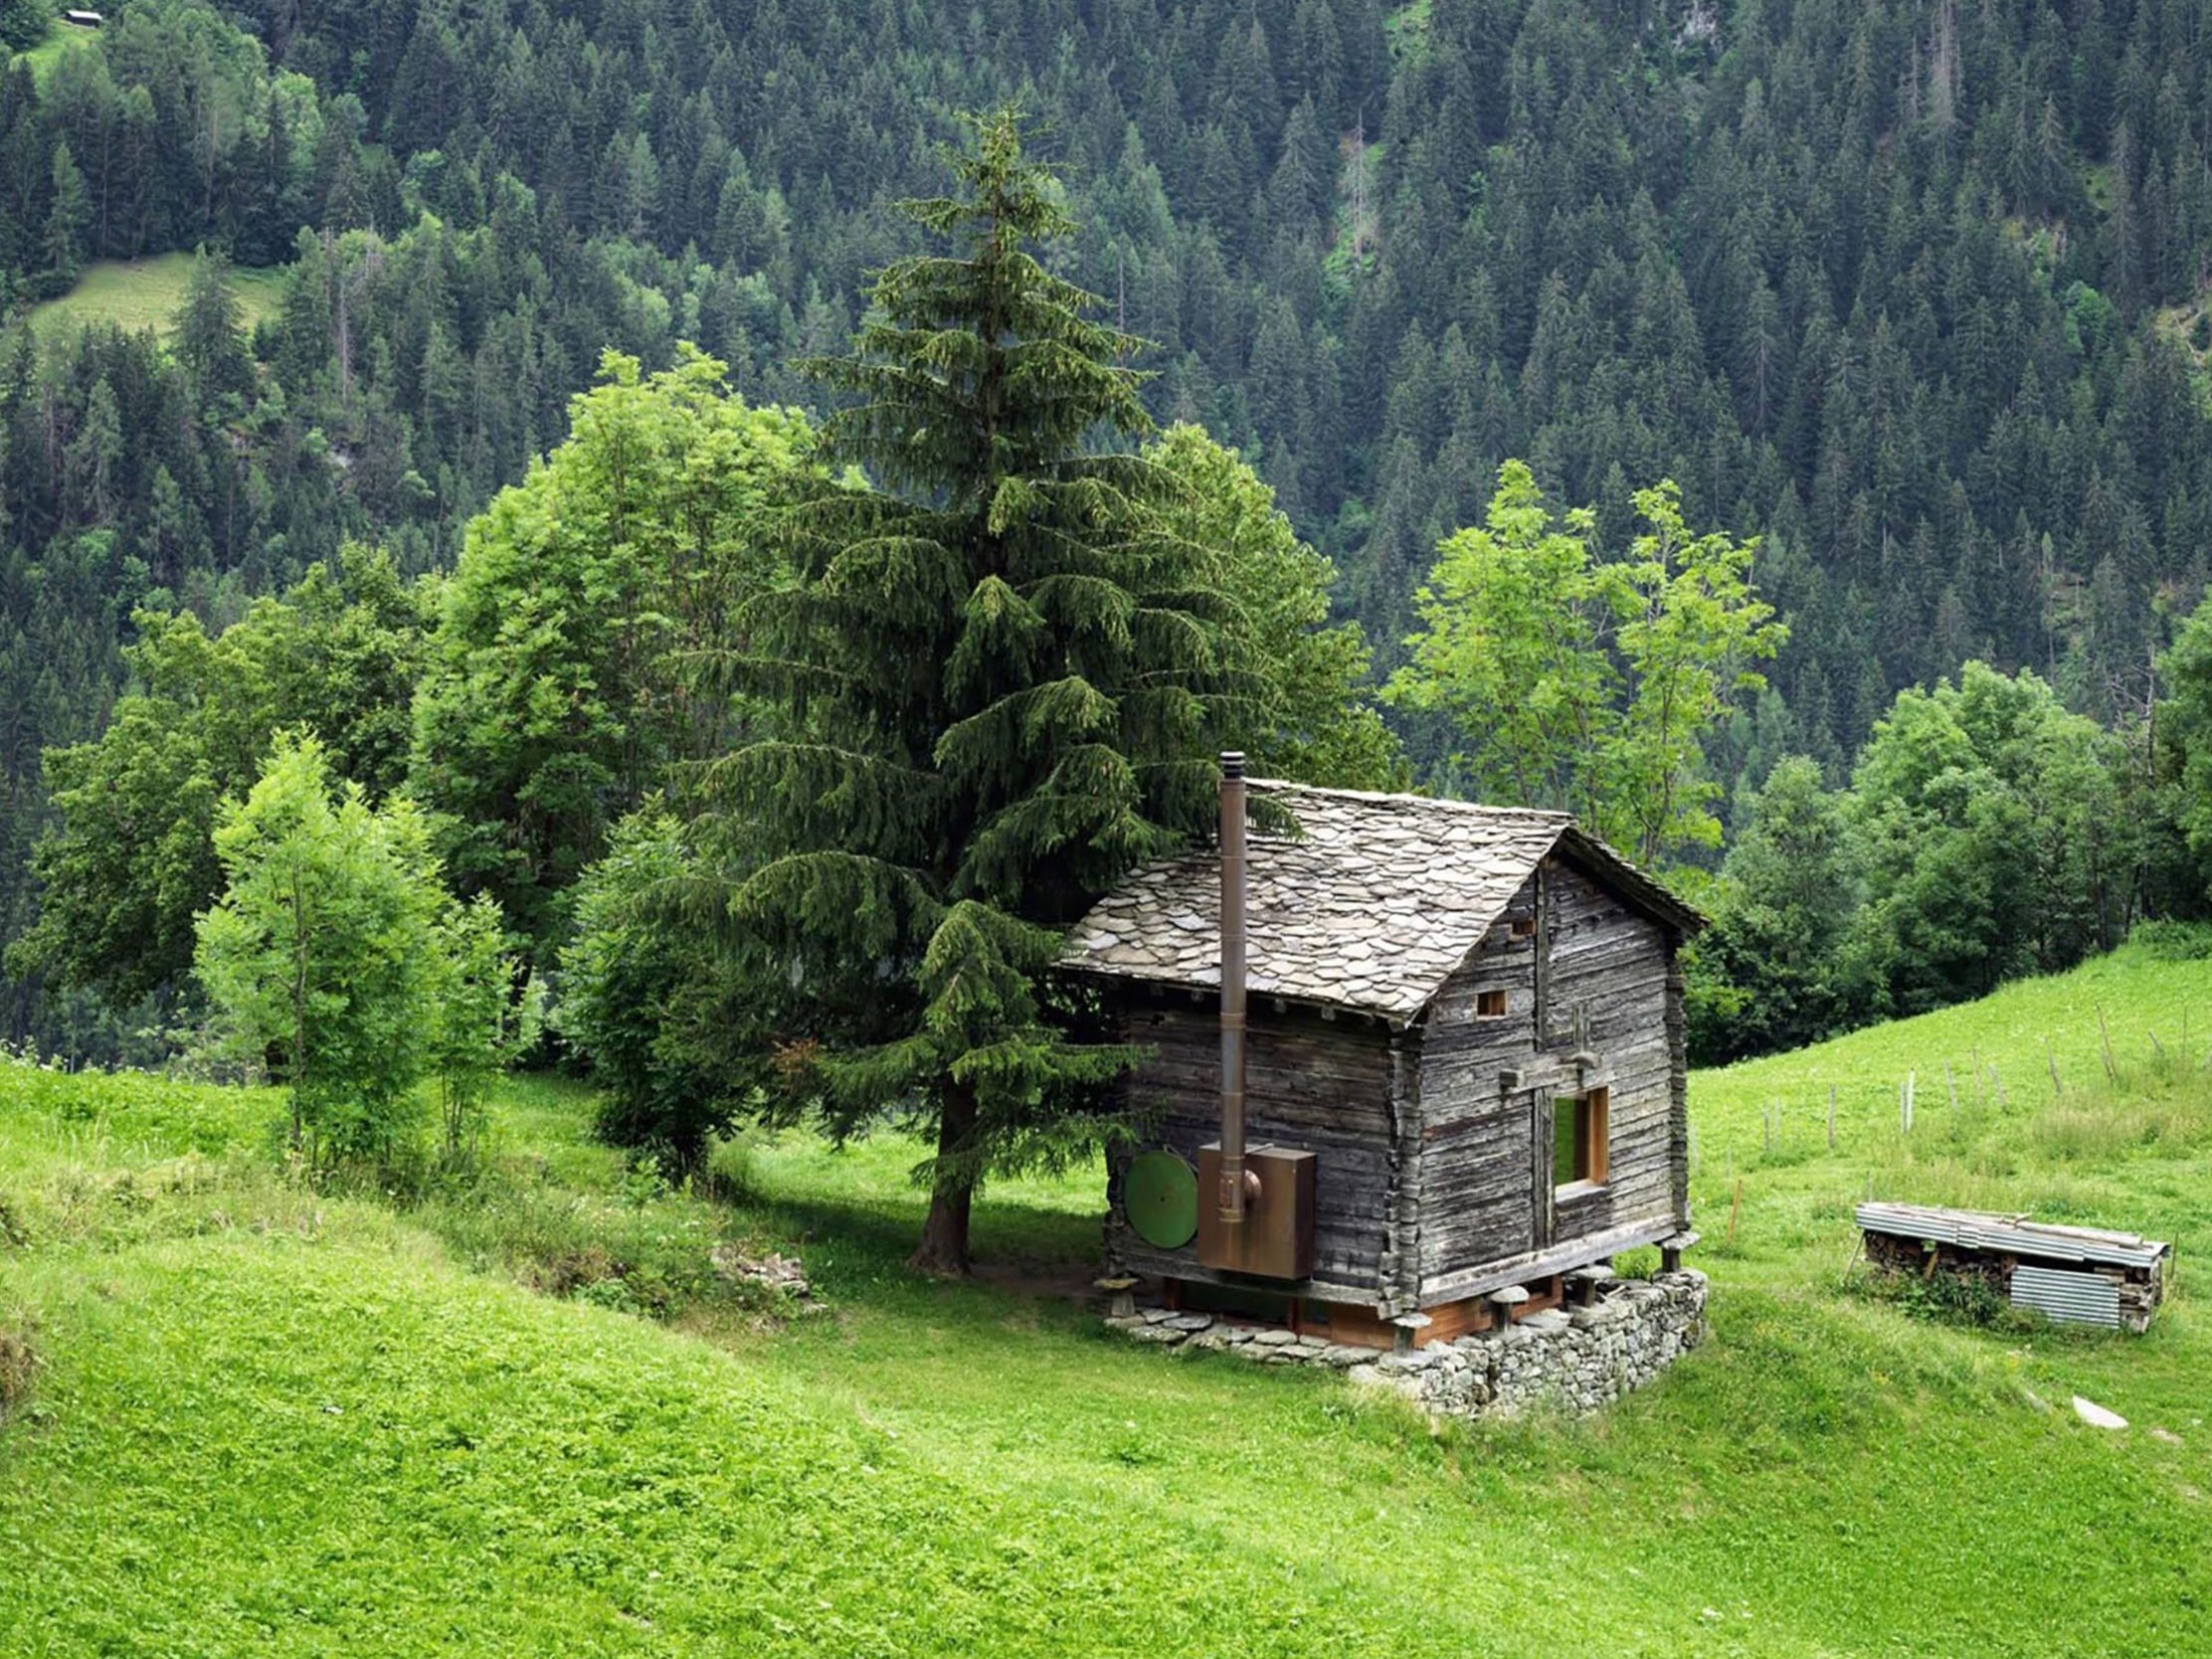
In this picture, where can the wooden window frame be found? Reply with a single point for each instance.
(1490, 1005)
(1592, 1111)
(1523, 927)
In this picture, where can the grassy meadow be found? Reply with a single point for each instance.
(529, 1416)
(140, 295)
(60, 38)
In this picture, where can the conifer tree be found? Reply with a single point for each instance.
(1006, 677)
(65, 221)
(210, 338)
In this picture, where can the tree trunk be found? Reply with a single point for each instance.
(943, 1250)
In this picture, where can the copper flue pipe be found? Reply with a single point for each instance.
(1231, 1197)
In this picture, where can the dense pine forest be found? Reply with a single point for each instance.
(1913, 293)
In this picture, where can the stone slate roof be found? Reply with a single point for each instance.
(1371, 907)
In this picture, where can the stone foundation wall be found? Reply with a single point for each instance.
(1563, 1359)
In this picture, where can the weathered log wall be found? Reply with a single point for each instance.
(1591, 999)
(1478, 1155)
(1309, 1082)
(1609, 972)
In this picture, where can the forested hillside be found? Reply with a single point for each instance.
(1910, 290)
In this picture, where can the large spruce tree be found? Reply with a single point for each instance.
(1007, 676)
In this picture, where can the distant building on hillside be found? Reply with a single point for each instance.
(1450, 1082)
(84, 20)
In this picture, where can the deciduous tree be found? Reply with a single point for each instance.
(318, 954)
(131, 861)
(560, 685)
(1583, 685)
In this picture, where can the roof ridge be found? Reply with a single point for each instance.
(1451, 803)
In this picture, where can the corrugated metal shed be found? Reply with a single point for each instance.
(2015, 1236)
(2075, 1298)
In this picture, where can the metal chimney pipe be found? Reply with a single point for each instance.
(1232, 1196)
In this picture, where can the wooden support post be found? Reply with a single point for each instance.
(2058, 1088)
(2105, 1040)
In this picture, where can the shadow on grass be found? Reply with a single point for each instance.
(872, 1237)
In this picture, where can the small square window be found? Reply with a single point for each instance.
(1582, 1130)
(1523, 927)
(1490, 1005)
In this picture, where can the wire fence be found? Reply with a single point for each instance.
(1949, 1096)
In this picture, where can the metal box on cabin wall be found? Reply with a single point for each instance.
(1276, 1237)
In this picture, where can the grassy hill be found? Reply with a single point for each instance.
(138, 294)
(60, 38)
(266, 1420)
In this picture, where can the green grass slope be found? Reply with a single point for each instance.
(140, 295)
(268, 1421)
(60, 38)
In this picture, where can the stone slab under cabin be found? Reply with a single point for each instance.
(1471, 1016)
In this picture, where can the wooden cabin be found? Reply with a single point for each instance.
(1469, 1016)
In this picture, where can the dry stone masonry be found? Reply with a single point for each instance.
(1568, 1360)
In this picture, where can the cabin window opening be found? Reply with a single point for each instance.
(1490, 1005)
(1580, 1128)
(1523, 927)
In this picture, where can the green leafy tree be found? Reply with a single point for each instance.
(2183, 759)
(318, 955)
(1995, 836)
(652, 1004)
(482, 1014)
(1590, 687)
(561, 684)
(130, 858)
(1004, 674)
(1770, 973)
(1318, 724)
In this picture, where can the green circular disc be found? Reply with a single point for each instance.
(1161, 1196)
